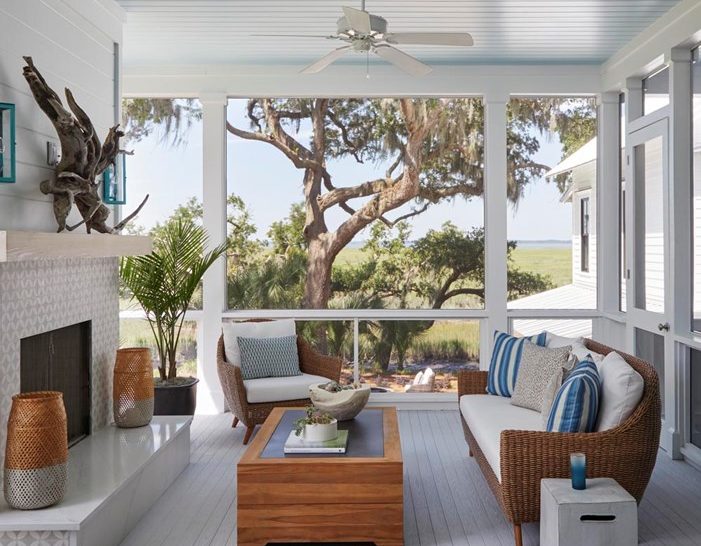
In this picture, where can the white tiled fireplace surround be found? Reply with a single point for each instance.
(41, 295)
(114, 474)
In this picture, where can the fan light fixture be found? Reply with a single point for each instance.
(367, 33)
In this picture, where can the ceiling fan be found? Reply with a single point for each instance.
(367, 33)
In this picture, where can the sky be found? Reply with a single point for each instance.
(269, 184)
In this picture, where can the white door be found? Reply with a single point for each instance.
(649, 306)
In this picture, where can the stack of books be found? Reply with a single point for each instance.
(296, 444)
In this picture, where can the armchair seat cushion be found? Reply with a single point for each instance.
(487, 415)
(279, 389)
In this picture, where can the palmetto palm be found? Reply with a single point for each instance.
(164, 282)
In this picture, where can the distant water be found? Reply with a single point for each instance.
(546, 243)
(550, 243)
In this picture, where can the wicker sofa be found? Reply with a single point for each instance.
(254, 413)
(626, 453)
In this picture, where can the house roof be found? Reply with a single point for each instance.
(583, 155)
(569, 296)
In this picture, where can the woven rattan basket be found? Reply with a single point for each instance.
(132, 393)
(36, 453)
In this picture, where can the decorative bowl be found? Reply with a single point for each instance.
(321, 432)
(344, 405)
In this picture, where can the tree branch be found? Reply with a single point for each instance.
(297, 160)
(396, 162)
(434, 195)
(272, 119)
(479, 292)
(352, 147)
(338, 195)
(391, 223)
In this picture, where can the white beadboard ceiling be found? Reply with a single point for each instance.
(505, 31)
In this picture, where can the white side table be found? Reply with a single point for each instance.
(604, 514)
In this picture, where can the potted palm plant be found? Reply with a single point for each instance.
(164, 282)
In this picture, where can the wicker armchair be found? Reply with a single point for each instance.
(626, 453)
(250, 415)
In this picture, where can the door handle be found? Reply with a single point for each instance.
(663, 326)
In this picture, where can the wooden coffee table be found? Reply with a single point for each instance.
(356, 497)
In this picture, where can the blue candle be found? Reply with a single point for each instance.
(578, 469)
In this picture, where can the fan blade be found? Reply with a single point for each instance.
(357, 19)
(326, 60)
(430, 38)
(401, 60)
(328, 37)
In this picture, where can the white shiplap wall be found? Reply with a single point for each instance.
(72, 43)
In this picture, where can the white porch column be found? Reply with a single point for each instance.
(634, 110)
(681, 231)
(494, 220)
(608, 204)
(210, 398)
(681, 186)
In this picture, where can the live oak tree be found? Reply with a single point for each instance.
(444, 267)
(433, 149)
(430, 150)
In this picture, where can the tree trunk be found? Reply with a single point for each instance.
(317, 284)
(384, 349)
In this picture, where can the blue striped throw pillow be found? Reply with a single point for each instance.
(268, 357)
(576, 404)
(506, 358)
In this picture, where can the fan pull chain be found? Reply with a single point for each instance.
(367, 64)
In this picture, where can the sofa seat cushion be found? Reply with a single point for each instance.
(279, 389)
(487, 415)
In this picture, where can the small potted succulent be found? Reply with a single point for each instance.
(316, 426)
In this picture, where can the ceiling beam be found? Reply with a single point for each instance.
(345, 81)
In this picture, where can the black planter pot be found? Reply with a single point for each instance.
(176, 400)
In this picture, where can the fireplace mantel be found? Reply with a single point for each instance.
(31, 245)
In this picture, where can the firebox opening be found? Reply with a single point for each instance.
(59, 360)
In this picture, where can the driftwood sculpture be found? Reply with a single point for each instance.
(76, 178)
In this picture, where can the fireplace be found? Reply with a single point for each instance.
(60, 360)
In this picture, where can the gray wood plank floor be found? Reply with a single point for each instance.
(447, 501)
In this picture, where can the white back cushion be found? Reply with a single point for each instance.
(232, 330)
(583, 353)
(621, 391)
(417, 378)
(427, 377)
(553, 341)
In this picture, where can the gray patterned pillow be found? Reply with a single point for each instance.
(268, 357)
(538, 365)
